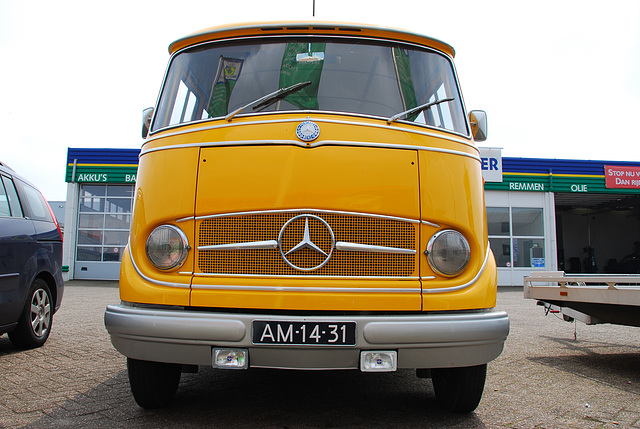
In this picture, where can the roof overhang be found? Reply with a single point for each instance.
(232, 31)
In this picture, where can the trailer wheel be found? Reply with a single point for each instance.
(459, 389)
(153, 384)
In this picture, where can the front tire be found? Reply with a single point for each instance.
(34, 324)
(153, 384)
(459, 389)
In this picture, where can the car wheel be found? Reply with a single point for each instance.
(459, 389)
(35, 321)
(153, 384)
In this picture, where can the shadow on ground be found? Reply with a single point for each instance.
(608, 363)
(267, 398)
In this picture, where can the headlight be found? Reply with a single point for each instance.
(167, 247)
(448, 252)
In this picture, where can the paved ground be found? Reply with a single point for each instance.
(544, 378)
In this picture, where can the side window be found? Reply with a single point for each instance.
(11, 196)
(34, 204)
(5, 211)
(185, 105)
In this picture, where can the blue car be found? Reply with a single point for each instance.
(31, 284)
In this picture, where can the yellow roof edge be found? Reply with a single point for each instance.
(307, 27)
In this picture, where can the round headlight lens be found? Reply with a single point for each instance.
(167, 247)
(448, 252)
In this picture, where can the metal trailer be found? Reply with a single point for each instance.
(592, 299)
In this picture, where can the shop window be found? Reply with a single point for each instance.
(501, 248)
(104, 220)
(516, 236)
(527, 221)
(528, 252)
(498, 220)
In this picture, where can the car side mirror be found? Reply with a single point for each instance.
(147, 114)
(478, 121)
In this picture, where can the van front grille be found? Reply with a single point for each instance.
(258, 244)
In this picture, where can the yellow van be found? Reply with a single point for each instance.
(309, 196)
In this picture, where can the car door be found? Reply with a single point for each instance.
(17, 247)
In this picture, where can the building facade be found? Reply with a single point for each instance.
(575, 216)
(543, 214)
(100, 187)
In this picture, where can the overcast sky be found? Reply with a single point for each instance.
(558, 79)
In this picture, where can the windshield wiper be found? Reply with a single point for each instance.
(417, 109)
(269, 99)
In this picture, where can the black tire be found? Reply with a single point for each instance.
(34, 324)
(459, 389)
(153, 384)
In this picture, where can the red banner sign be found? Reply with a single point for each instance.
(621, 177)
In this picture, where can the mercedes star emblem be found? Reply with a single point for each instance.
(308, 131)
(311, 252)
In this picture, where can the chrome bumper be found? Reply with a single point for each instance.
(423, 341)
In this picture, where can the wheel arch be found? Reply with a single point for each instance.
(50, 280)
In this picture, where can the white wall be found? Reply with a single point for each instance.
(70, 229)
(513, 276)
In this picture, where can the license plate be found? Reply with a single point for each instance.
(307, 333)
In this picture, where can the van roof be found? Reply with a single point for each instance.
(304, 27)
(6, 167)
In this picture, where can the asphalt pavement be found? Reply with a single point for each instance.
(552, 374)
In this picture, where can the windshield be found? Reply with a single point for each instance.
(346, 75)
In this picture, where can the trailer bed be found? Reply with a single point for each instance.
(592, 299)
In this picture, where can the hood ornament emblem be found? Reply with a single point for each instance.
(308, 131)
(306, 255)
(306, 242)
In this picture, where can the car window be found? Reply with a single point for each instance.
(11, 197)
(35, 207)
(4, 203)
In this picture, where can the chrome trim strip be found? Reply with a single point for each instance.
(274, 276)
(306, 289)
(268, 244)
(393, 146)
(383, 125)
(150, 280)
(466, 285)
(425, 222)
(339, 212)
(455, 139)
(340, 245)
(316, 144)
(9, 275)
(355, 247)
(226, 143)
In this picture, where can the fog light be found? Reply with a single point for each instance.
(230, 358)
(377, 361)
